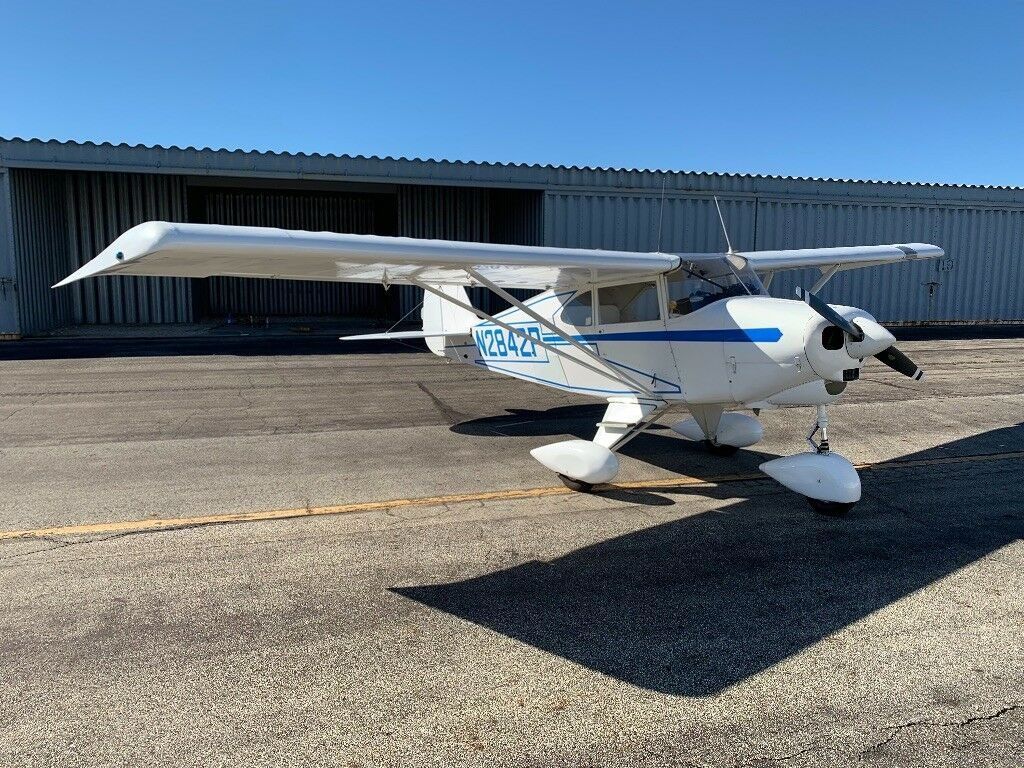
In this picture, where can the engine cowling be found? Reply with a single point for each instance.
(835, 357)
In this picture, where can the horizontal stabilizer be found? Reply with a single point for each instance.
(401, 335)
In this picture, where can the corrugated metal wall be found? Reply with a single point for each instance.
(314, 212)
(40, 218)
(60, 219)
(631, 223)
(979, 281)
(9, 324)
(100, 207)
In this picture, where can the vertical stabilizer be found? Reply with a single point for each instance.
(440, 315)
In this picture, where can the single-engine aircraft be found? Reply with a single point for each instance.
(650, 333)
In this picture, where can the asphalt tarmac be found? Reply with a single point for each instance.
(302, 558)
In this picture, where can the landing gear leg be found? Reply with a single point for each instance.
(820, 425)
(830, 508)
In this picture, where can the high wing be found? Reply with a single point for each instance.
(160, 248)
(766, 262)
(203, 250)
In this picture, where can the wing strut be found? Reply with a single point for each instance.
(604, 370)
(604, 364)
(827, 273)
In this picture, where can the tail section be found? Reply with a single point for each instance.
(442, 320)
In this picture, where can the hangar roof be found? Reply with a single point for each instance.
(192, 161)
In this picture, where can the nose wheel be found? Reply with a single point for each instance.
(830, 508)
(575, 485)
(827, 480)
(820, 447)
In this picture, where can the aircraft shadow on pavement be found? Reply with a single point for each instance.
(658, 446)
(697, 604)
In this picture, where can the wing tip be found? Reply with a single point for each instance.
(131, 244)
(922, 251)
(79, 274)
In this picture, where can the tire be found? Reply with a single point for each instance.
(830, 508)
(717, 449)
(576, 485)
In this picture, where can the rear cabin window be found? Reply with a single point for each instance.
(633, 303)
(578, 310)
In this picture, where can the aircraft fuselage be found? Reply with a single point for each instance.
(738, 350)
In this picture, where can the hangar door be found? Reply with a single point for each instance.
(361, 214)
(454, 213)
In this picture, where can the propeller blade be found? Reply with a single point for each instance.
(900, 363)
(823, 309)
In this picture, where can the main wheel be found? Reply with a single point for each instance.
(575, 485)
(718, 449)
(830, 508)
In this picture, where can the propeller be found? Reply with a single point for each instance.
(890, 356)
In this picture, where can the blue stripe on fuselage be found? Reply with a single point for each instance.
(767, 335)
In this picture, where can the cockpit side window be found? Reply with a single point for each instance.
(578, 311)
(697, 284)
(631, 303)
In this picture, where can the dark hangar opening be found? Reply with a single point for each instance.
(62, 219)
(448, 213)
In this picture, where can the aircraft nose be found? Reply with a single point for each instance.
(833, 354)
(876, 338)
(855, 334)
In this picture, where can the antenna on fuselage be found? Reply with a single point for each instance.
(733, 259)
(725, 231)
(661, 213)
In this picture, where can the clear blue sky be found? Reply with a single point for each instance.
(927, 91)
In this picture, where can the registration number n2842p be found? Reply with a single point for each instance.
(499, 344)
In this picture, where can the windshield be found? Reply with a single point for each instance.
(699, 283)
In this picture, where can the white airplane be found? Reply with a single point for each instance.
(650, 333)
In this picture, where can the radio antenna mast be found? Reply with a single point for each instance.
(661, 212)
(725, 231)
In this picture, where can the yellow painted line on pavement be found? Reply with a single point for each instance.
(158, 524)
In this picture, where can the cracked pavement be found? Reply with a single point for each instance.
(717, 624)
